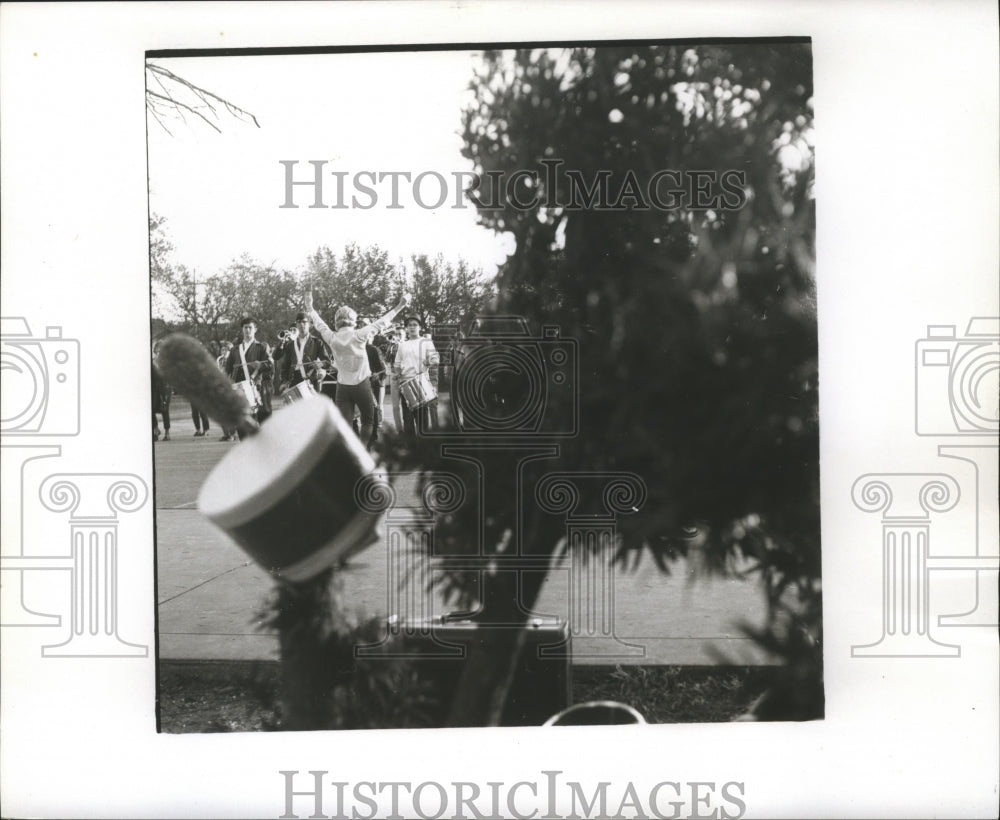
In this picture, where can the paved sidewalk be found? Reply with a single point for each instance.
(209, 594)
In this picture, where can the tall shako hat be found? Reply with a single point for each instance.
(300, 495)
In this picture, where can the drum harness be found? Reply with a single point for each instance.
(298, 356)
(246, 372)
(243, 359)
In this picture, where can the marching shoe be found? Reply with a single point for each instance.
(166, 436)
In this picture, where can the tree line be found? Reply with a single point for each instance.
(210, 307)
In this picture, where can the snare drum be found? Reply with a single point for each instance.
(300, 495)
(250, 393)
(417, 391)
(297, 392)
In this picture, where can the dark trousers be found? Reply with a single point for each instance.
(422, 419)
(360, 395)
(200, 419)
(165, 412)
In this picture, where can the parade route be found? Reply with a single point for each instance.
(210, 596)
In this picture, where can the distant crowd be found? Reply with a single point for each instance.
(352, 364)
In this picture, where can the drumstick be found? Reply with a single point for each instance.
(185, 364)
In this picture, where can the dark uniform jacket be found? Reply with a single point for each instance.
(313, 352)
(257, 352)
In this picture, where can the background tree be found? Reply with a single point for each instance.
(269, 294)
(210, 306)
(696, 323)
(160, 249)
(718, 303)
(362, 278)
(442, 293)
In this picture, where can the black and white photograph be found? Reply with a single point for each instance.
(561, 303)
(500, 409)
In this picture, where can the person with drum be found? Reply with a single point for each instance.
(302, 357)
(348, 343)
(416, 358)
(250, 364)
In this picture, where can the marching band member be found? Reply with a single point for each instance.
(279, 352)
(301, 357)
(414, 356)
(250, 360)
(347, 343)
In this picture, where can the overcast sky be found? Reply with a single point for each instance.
(379, 112)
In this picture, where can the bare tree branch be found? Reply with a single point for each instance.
(152, 110)
(181, 105)
(203, 103)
